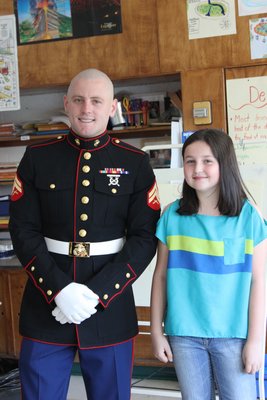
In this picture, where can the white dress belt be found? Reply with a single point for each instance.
(84, 249)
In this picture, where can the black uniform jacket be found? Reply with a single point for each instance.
(93, 190)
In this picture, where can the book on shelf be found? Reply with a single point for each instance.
(7, 133)
(4, 206)
(25, 132)
(7, 178)
(4, 221)
(7, 128)
(8, 171)
(51, 132)
(61, 121)
(7, 166)
(6, 248)
(57, 126)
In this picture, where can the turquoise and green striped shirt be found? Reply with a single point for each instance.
(209, 271)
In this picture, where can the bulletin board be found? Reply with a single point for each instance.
(247, 118)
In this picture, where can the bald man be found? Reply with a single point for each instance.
(82, 220)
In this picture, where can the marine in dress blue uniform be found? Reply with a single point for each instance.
(83, 210)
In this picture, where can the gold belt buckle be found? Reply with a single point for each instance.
(79, 249)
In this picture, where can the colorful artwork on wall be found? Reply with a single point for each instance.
(250, 7)
(9, 76)
(208, 18)
(258, 38)
(43, 20)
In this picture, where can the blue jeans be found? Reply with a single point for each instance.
(201, 363)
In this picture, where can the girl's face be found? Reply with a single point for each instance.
(201, 168)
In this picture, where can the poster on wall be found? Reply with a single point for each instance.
(207, 18)
(250, 7)
(43, 20)
(247, 118)
(9, 80)
(258, 38)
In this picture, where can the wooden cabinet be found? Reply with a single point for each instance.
(204, 85)
(3, 313)
(12, 282)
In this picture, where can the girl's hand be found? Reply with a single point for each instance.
(161, 348)
(252, 357)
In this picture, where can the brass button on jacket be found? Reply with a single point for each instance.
(83, 217)
(86, 169)
(82, 233)
(85, 182)
(85, 200)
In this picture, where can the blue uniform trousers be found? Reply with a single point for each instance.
(45, 371)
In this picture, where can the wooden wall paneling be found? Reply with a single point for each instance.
(177, 52)
(172, 35)
(3, 324)
(6, 7)
(204, 85)
(132, 53)
(17, 280)
(246, 72)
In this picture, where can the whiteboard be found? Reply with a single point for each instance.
(247, 118)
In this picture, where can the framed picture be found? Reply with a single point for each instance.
(39, 21)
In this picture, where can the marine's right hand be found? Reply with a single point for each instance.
(77, 302)
(60, 317)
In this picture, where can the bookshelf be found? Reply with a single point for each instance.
(131, 133)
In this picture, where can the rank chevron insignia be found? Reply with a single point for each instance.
(17, 189)
(153, 197)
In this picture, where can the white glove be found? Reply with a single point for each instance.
(60, 317)
(77, 302)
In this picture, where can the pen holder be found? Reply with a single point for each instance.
(135, 118)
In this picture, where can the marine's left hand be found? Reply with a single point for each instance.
(252, 357)
(60, 316)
